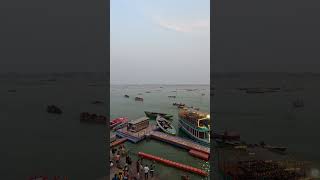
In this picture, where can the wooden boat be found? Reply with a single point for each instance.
(112, 137)
(165, 125)
(195, 108)
(181, 106)
(138, 99)
(254, 91)
(227, 135)
(93, 118)
(118, 121)
(153, 115)
(97, 102)
(178, 104)
(126, 96)
(54, 109)
(120, 126)
(278, 149)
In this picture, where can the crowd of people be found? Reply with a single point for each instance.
(125, 171)
(269, 170)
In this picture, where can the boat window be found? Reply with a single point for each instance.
(201, 135)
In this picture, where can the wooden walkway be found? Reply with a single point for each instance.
(178, 141)
(136, 136)
(117, 142)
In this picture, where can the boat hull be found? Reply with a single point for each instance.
(196, 139)
(153, 116)
(170, 131)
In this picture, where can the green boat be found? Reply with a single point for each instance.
(153, 115)
(165, 125)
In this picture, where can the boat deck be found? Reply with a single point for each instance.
(178, 141)
(136, 136)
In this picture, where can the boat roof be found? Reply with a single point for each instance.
(139, 120)
(199, 114)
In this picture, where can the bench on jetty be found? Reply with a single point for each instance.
(174, 164)
(180, 142)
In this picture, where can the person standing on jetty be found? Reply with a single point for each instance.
(146, 172)
(138, 166)
(118, 159)
(152, 169)
(115, 177)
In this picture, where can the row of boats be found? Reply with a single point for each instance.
(181, 106)
(136, 98)
(194, 123)
(233, 139)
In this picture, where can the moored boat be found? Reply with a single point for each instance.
(227, 136)
(94, 118)
(126, 96)
(196, 125)
(138, 98)
(112, 137)
(54, 109)
(178, 104)
(153, 115)
(165, 125)
(118, 121)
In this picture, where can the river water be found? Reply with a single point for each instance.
(157, 101)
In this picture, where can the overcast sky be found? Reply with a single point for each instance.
(160, 41)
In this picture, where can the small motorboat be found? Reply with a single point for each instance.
(153, 115)
(178, 104)
(276, 148)
(203, 94)
(126, 96)
(93, 118)
(181, 106)
(172, 96)
(227, 136)
(138, 99)
(254, 91)
(165, 125)
(97, 102)
(54, 109)
(147, 91)
(118, 121)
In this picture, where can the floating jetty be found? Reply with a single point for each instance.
(180, 142)
(174, 164)
(201, 155)
(117, 142)
(136, 137)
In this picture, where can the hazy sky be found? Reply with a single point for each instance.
(160, 41)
